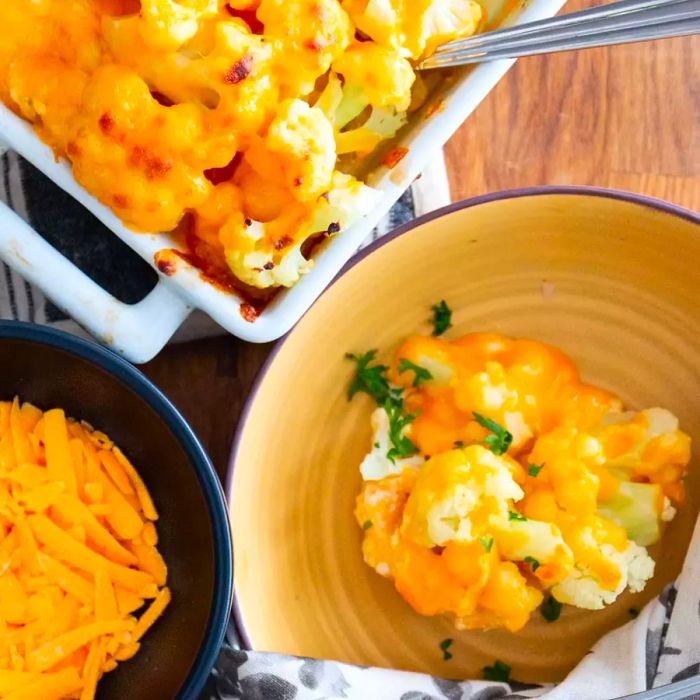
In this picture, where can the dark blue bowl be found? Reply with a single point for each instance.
(53, 369)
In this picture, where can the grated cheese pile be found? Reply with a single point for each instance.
(81, 579)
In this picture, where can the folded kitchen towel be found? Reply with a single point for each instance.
(660, 646)
(111, 263)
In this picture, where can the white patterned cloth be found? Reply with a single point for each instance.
(101, 255)
(661, 646)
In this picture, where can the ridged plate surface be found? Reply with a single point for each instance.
(614, 283)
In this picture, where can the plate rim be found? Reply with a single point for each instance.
(655, 203)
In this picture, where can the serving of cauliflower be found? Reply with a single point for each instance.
(158, 103)
(497, 482)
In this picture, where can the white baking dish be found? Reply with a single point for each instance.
(139, 331)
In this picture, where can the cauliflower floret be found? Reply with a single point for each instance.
(542, 542)
(378, 512)
(376, 465)
(47, 92)
(571, 458)
(649, 446)
(228, 72)
(414, 27)
(492, 392)
(583, 590)
(384, 75)
(263, 200)
(458, 495)
(269, 254)
(307, 35)
(344, 103)
(430, 23)
(430, 353)
(45, 61)
(144, 160)
(505, 601)
(487, 391)
(166, 25)
(626, 435)
(302, 138)
(251, 256)
(379, 19)
(639, 509)
(640, 567)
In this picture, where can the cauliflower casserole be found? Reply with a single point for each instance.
(497, 482)
(224, 119)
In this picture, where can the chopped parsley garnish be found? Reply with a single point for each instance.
(371, 379)
(459, 445)
(498, 672)
(367, 379)
(401, 446)
(634, 613)
(551, 609)
(512, 515)
(534, 469)
(376, 445)
(420, 374)
(367, 525)
(445, 644)
(534, 564)
(486, 543)
(442, 317)
(500, 440)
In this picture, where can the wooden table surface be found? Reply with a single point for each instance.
(627, 117)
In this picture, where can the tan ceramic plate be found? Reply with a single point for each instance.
(612, 279)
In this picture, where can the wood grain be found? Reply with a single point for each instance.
(208, 381)
(626, 117)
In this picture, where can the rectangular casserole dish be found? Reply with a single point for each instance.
(140, 330)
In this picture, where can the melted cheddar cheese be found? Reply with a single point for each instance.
(483, 530)
(168, 109)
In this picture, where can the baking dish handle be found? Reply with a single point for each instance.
(136, 331)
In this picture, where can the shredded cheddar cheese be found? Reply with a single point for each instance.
(78, 556)
(517, 482)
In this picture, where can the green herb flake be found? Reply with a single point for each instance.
(372, 380)
(551, 609)
(445, 644)
(498, 672)
(369, 379)
(420, 374)
(459, 445)
(534, 469)
(401, 446)
(486, 543)
(376, 445)
(442, 317)
(367, 525)
(634, 613)
(500, 439)
(534, 564)
(512, 515)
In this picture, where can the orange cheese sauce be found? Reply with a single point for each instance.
(226, 111)
(485, 537)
